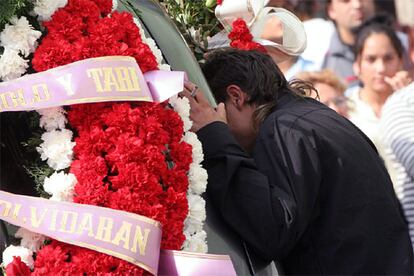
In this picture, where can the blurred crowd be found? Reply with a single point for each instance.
(360, 58)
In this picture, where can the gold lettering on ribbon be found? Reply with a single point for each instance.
(64, 222)
(95, 74)
(134, 76)
(16, 98)
(52, 225)
(104, 229)
(38, 90)
(140, 241)
(16, 210)
(7, 207)
(86, 225)
(124, 79)
(123, 234)
(33, 217)
(110, 80)
(66, 82)
(4, 100)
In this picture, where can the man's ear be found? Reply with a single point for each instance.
(330, 11)
(356, 67)
(236, 96)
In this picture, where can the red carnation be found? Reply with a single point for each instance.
(181, 154)
(172, 123)
(105, 6)
(65, 26)
(128, 156)
(17, 268)
(242, 39)
(53, 53)
(86, 9)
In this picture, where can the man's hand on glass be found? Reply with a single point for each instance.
(201, 112)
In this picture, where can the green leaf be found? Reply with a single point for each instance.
(197, 14)
(38, 172)
(9, 8)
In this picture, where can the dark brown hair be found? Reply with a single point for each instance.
(256, 74)
(379, 24)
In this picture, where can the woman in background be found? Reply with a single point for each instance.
(378, 65)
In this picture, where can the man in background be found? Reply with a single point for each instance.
(347, 15)
(330, 42)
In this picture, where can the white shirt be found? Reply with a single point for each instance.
(363, 116)
(318, 32)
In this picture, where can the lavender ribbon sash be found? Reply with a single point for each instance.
(186, 264)
(124, 235)
(128, 236)
(112, 78)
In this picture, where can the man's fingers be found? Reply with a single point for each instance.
(201, 98)
(389, 80)
(189, 85)
(195, 92)
(187, 94)
(193, 89)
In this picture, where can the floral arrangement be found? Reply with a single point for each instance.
(136, 157)
(240, 36)
(242, 39)
(196, 21)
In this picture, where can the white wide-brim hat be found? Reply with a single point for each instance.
(292, 41)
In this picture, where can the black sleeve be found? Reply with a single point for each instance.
(268, 207)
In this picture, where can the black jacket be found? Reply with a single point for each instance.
(315, 196)
(221, 239)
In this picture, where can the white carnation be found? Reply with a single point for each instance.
(164, 67)
(57, 148)
(20, 36)
(25, 254)
(182, 107)
(196, 243)
(155, 50)
(52, 118)
(196, 214)
(12, 65)
(197, 177)
(61, 186)
(192, 226)
(30, 240)
(46, 8)
(197, 207)
(191, 138)
(141, 30)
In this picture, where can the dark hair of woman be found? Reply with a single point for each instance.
(379, 24)
(256, 74)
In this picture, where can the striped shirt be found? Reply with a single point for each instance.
(397, 130)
